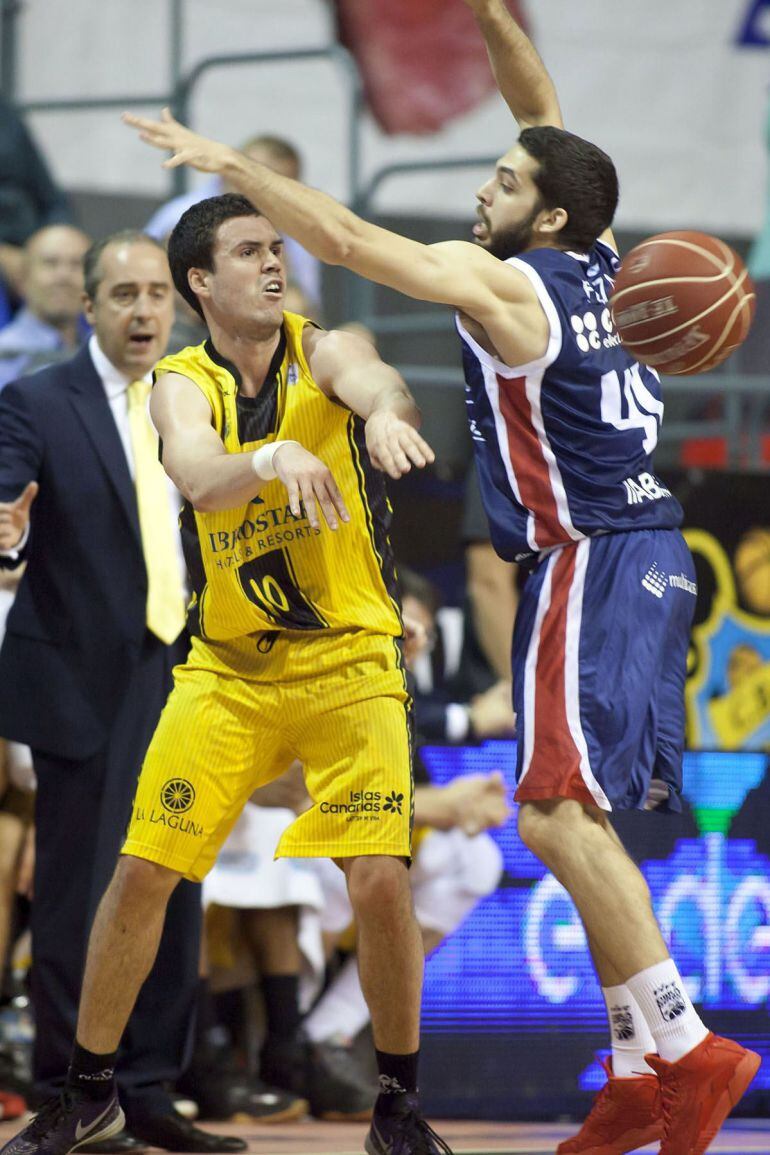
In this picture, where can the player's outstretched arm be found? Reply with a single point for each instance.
(521, 76)
(212, 479)
(349, 369)
(453, 273)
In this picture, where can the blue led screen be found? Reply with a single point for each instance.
(519, 965)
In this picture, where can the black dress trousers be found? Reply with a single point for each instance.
(82, 812)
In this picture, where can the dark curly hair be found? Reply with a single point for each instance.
(191, 244)
(576, 176)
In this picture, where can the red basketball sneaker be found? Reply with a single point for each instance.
(700, 1090)
(625, 1115)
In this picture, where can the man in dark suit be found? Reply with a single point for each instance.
(86, 664)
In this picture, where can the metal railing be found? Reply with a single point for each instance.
(178, 96)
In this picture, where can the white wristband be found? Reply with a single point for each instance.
(262, 459)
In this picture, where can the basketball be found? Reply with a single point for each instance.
(682, 302)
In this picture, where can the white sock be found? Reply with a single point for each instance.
(342, 1011)
(663, 1000)
(631, 1037)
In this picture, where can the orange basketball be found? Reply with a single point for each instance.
(682, 302)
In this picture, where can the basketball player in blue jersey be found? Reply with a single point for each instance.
(564, 424)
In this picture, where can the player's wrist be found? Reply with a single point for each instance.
(262, 459)
(232, 163)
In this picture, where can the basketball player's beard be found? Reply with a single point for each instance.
(515, 239)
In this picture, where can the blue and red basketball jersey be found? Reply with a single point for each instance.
(564, 445)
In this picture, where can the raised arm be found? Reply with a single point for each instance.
(349, 369)
(213, 479)
(521, 76)
(453, 273)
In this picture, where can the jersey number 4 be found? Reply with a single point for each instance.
(628, 404)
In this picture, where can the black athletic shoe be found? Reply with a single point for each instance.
(234, 1097)
(398, 1128)
(66, 1123)
(326, 1075)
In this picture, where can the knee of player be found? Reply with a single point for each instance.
(536, 828)
(144, 881)
(377, 884)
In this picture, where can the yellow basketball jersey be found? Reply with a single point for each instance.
(257, 567)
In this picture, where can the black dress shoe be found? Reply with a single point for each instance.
(120, 1144)
(177, 1134)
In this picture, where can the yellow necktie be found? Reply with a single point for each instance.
(165, 597)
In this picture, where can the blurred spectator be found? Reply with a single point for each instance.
(278, 906)
(29, 199)
(446, 708)
(303, 269)
(50, 325)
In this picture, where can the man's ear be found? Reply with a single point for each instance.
(197, 279)
(552, 221)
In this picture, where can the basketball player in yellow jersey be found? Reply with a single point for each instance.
(277, 434)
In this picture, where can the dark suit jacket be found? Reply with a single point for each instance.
(78, 621)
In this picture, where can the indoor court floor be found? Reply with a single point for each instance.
(744, 1137)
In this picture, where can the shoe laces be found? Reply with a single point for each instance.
(51, 1114)
(669, 1093)
(428, 1142)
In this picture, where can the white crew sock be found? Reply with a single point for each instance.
(342, 1011)
(665, 1004)
(631, 1037)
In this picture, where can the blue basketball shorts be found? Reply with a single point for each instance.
(599, 663)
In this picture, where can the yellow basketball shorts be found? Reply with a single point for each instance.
(242, 711)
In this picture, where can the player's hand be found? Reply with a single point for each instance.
(310, 483)
(394, 445)
(491, 713)
(186, 146)
(14, 517)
